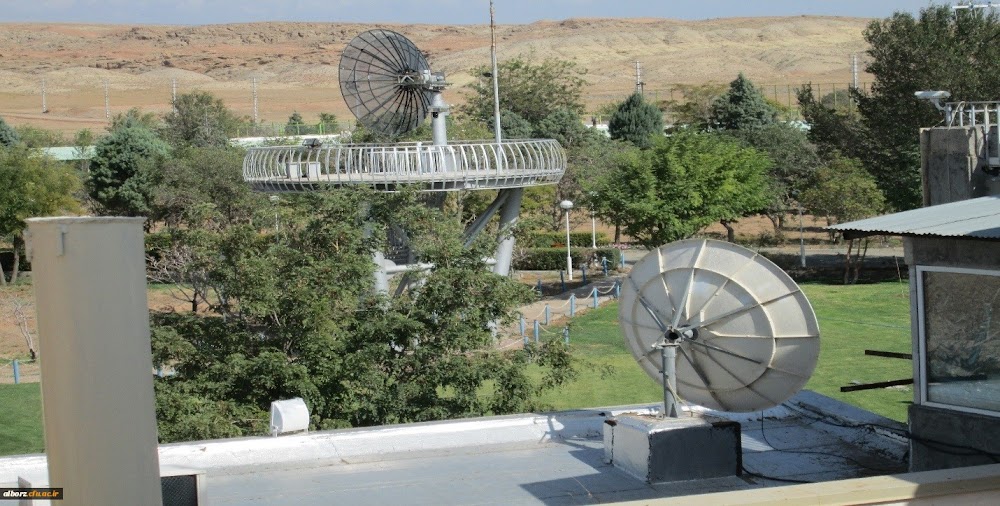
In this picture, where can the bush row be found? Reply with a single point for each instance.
(554, 259)
(557, 239)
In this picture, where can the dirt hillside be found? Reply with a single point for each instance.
(295, 64)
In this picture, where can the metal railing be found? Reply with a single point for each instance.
(456, 166)
(972, 114)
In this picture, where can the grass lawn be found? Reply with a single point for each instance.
(20, 419)
(852, 319)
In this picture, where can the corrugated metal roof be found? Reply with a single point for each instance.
(65, 153)
(975, 218)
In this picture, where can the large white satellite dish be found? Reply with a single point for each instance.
(742, 334)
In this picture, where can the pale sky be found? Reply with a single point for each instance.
(198, 12)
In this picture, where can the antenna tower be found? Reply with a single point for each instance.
(638, 77)
(45, 108)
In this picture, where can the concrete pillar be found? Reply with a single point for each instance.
(952, 165)
(89, 276)
(508, 217)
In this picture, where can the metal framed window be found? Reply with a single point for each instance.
(958, 318)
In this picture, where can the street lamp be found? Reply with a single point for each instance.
(567, 205)
(593, 221)
(274, 200)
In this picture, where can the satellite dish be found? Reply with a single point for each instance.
(387, 82)
(720, 325)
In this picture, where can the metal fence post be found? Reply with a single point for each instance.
(618, 289)
(583, 270)
(548, 313)
(566, 334)
(562, 280)
(17, 371)
(572, 305)
(522, 324)
(537, 330)
(595, 297)
(621, 254)
(539, 286)
(604, 265)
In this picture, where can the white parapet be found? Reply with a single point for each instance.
(97, 389)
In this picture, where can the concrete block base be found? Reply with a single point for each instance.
(673, 449)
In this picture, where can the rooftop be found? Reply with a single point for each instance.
(967, 219)
(554, 458)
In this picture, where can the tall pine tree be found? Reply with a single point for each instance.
(636, 121)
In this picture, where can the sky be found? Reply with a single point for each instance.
(199, 12)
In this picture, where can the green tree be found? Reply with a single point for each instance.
(121, 179)
(8, 136)
(689, 181)
(202, 187)
(605, 192)
(794, 159)
(513, 126)
(199, 119)
(35, 137)
(532, 90)
(844, 191)
(295, 125)
(696, 107)
(300, 319)
(34, 186)
(743, 107)
(941, 49)
(636, 121)
(328, 122)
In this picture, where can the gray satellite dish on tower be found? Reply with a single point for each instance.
(721, 326)
(388, 84)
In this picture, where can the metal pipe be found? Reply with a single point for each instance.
(496, 82)
(668, 358)
(97, 383)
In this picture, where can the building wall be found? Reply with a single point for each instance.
(929, 424)
(952, 163)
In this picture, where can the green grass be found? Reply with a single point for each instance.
(852, 319)
(20, 419)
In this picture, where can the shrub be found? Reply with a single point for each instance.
(557, 239)
(554, 259)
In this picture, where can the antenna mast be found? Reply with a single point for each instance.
(45, 108)
(496, 82)
(173, 93)
(854, 70)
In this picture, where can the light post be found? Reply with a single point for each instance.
(593, 221)
(567, 205)
(274, 200)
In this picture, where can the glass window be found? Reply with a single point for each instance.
(961, 332)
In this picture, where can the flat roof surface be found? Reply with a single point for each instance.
(551, 458)
(975, 218)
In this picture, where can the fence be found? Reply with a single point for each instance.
(567, 309)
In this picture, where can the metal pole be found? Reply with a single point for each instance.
(569, 257)
(638, 77)
(802, 239)
(496, 82)
(537, 330)
(668, 359)
(45, 108)
(854, 70)
(548, 314)
(572, 305)
(595, 298)
(173, 93)
(17, 371)
(107, 102)
(593, 229)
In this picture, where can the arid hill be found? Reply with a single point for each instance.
(295, 64)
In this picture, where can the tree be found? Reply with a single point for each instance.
(34, 186)
(606, 193)
(843, 191)
(941, 49)
(793, 161)
(295, 125)
(35, 137)
(300, 320)
(743, 107)
(8, 136)
(200, 187)
(696, 108)
(199, 119)
(513, 126)
(636, 121)
(689, 181)
(532, 90)
(121, 179)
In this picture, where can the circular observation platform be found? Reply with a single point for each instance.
(468, 165)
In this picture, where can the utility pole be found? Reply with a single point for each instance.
(45, 108)
(496, 81)
(173, 94)
(638, 77)
(854, 70)
(254, 84)
(107, 103)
